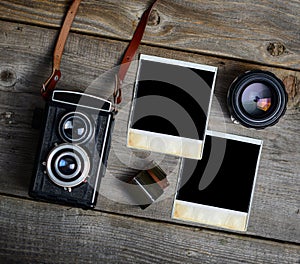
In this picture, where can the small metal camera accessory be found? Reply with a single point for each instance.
(150, 185)
(257, 99)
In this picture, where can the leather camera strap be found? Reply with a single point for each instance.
(51, 82)
(130, 52)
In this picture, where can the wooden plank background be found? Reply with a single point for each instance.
(262, 31)
(196, 31)
(38, 232)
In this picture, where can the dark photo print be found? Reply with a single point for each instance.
(222, 182)
(171, 101)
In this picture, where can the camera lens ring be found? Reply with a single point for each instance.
(277, 104)
(68, 120)
(64, 149)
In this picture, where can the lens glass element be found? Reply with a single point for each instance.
(74, 128)
(257, 100)
(67, 165)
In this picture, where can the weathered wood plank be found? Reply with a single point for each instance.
(68, 235)
(25, 57)
(265, 31)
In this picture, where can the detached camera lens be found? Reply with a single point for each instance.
(257, 99)
(75, 127)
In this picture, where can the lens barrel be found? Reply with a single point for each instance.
(68, 165)
(257, 99)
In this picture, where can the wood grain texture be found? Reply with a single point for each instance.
(57, 234)
(25, 56)
(266, 31)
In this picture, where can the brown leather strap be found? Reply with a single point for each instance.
(51, 82)
(130, 52)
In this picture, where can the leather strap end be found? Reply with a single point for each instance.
(119, 98)
(50, 84)
(118, 91)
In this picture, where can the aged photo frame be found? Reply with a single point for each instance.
(218, 190)
(170, 107)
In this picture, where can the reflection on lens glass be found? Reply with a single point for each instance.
(67, 165)
(75, 128)
(257, 99)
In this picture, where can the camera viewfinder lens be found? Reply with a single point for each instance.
(75, 127)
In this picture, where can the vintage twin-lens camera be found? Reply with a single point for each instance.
(73, 149)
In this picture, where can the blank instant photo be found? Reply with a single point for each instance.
(218, 189)
(170, 106)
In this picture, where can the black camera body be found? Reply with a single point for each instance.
(73, 149)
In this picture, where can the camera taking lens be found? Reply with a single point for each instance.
(68, 165)
(257, 99)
